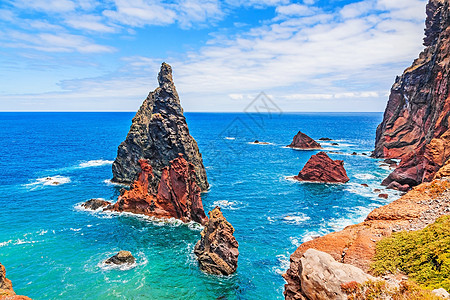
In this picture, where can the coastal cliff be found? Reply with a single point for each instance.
(415, 125)
(356, 244)
(159, 132)
(6, 289)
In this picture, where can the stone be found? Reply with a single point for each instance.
(321, 277)
(364, 184)
(384, 196)
(441, 292)
(302, 141)
(121, 258)
(217, 250)
(397, 186)
(321, 168)
(325, 139)
(94, 204)
(334, 144)
(177, 195)
(158, 132)
(415, 123)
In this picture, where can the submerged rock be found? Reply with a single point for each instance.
(321, 277)
(177, 196)
(325, 139)
(217, 250)
(415, 125)
(321, 168)
(302, 141)
(95, 204)
(6, 288)
(123, 257)
(158, 132)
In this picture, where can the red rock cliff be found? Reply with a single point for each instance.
(415, 126)
(178, 195)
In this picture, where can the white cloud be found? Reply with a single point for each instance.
(294, 10)
(59, 6)
(89, 23)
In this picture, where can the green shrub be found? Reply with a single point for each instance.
(423, 255)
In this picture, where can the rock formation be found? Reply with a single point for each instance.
(158, 133)
(177, 196)
(321, 277)
(415, 126)
(302, 141)
(321, 168)
(121, 258)
(95, 204)
(6, 289)
(217, 250)
(356, 244)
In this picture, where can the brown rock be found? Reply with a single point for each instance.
(384, 196)
(415, 123)
(302, 141)
(95, 204)
(356, 244)
(6, 289)
(121, 258)
(397, 186)
(158, 133)
(217, 250)
(321, 168)
(178, 195)
(364, 184)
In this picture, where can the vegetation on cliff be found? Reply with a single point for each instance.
(423, 255)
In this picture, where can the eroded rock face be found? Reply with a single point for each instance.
(158, 133)
(217, 251)
(321, 168)
(415, 126)
(6, 289)
(321, 277)
(177, 196)
(302, 141)
(356, 244)
(121, 258)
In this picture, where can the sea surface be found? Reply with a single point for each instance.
(52, 249)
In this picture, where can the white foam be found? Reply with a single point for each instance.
(229, 138)
(49, 181)
(141, 260)
(109, 182)
(95, 163)
(364, 176)
(297, 220)
(283, 264)
(2, 244)
(232, 205)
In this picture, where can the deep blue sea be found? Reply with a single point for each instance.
(54, 250)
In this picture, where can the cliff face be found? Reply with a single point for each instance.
(178, 195)
(415, 126)
(6, 289)
(356, 244)
(217, 250)
(158, 133)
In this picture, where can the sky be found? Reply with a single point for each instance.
(307, 56)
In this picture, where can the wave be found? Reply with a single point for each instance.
(229, 138)
(364, 176)
(283, 264)
(232, 205)
(296, 219)
(95, 163)
(109, 182)
(49, 181)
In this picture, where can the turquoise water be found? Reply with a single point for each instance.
(54, 250)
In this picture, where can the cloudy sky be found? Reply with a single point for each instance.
(310, 55)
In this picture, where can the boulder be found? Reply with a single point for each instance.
(302, 141)
(217, 250)
(95, 204)
(321, 168)
(121, 258)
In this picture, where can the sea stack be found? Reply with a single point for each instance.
(177, 196)
(321, 168)
(302, 141)
(415, 125)
(217, 250)
(6, 289)
(158, 133)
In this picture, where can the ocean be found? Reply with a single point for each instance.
(53, 249)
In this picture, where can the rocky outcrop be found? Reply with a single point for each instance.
(177, 196)
(356, 244)
(95, 204)
(321, 168)
(321, 277)
(302, 141)
(217, 250)
(415, 125)
(121, 258)
(6, 289)
(158, 133)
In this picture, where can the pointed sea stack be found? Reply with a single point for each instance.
(178, 195)
(415, 126)
(321, 168)
(302, 141)
(217, 251)
(158, 133)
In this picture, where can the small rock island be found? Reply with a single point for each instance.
(304, 142)
(321, 168)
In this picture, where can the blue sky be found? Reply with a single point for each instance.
(310, 55)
